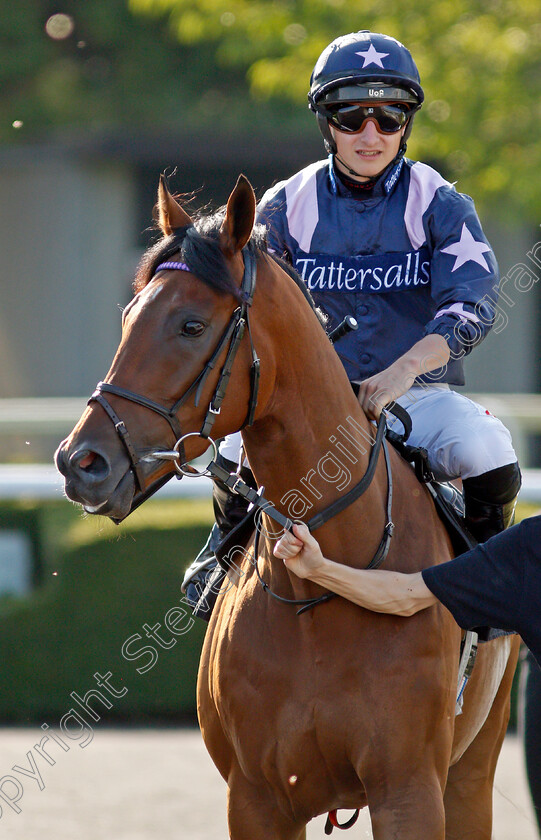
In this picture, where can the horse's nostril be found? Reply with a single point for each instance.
(89, 464)
(87, 461)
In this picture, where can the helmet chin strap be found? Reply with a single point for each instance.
(357, 174)
(374, 178)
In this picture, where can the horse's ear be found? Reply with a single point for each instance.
(170, 213)
(239, 219)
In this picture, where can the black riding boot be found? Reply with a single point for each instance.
(490, 501)
(203, 578)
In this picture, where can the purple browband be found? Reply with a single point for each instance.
(172, 265)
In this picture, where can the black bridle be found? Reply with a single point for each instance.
(230, 338)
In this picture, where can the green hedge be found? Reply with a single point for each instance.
(27, 520)
(99, 586)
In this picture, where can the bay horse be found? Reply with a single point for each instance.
(338, 707)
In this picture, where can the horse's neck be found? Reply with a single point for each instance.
(313, 442)
(309, 436)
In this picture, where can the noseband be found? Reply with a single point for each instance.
(231, 337)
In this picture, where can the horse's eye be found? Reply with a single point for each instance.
(193, 328)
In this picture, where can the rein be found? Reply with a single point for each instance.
(235, 483)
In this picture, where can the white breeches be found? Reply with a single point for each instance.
(461, 437)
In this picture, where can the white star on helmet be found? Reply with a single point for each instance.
(467, 249)
(372, 56)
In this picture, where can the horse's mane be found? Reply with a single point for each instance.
(199, 248)
(295, 276)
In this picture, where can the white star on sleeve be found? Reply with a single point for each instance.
(467, 249)
(372, 56)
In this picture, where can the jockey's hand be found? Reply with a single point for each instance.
(299, 551)
(383, 389)
(429, 354)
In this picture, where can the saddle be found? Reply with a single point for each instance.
(448, 499)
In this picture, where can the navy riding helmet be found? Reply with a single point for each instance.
(364, 67)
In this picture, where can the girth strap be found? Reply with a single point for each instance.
(332, 821)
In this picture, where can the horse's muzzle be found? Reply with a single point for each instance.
(91, 481)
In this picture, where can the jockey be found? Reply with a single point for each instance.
(391, 242)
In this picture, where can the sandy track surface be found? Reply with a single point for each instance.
(139, 784)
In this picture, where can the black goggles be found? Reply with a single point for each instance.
(351, 118)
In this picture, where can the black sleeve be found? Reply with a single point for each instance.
(497, 584)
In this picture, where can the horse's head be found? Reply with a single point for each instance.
(185, 363)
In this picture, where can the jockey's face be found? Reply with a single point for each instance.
(367, 152)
